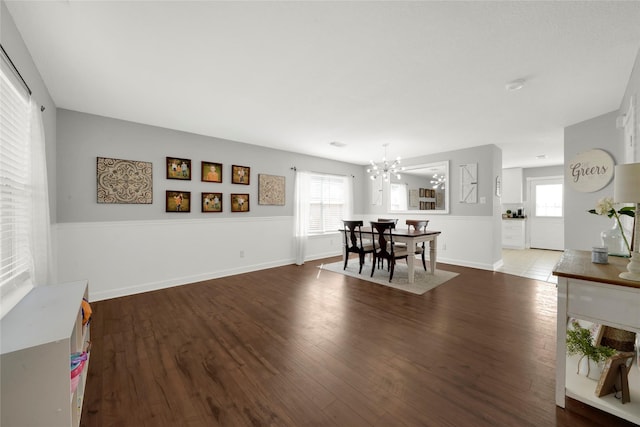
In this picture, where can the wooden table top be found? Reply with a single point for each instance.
(404, 232)
(577, 264)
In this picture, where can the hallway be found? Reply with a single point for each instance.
(531, 263)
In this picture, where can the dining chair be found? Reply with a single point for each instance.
(353, 242)
(383, 246)
(419, 225)
(394, 220)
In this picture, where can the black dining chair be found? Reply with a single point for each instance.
(383, 246)
(419, 225)
(353, 242)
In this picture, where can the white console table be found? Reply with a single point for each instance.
(595, 293)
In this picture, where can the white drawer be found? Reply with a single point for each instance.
(619, 305)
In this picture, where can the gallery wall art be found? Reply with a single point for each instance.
(124, 181)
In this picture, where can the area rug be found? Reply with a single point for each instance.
(424, 281)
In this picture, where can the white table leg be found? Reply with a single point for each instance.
(411, 260)
(433, 243)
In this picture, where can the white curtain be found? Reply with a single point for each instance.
(40, 236)
(348, 199)
(301, 214)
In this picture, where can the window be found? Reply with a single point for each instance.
(15, 192)
(398, 197)
(329, 203)
(548, 200)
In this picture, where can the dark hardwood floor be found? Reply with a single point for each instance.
(296, 346)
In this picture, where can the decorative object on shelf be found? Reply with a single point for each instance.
(211, 202)
(211, 172)
(178, 201)
(626, 189)
(599, 255)
(239, 202)
(590, 171)
(384, 168)
(271, 190)
(616, 372)
(581, 341)
(618, 339)
(178, 168)
(240, 174)
(124, 181)
(614, 238)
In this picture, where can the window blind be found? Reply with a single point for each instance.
(327, 203)
(15, 191)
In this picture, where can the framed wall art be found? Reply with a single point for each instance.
(211, 202)
(239, 202)
(178, 201)
(211, 172)
(240, 174)
(271, 190)
(178, 168)
(124, 181)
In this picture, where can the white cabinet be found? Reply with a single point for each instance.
(595, 293)
(38, 337)
(511, 186)
(513, 233)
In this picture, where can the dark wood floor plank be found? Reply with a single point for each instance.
(300, 346)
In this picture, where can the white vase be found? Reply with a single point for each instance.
(590, 369)
(614, 240)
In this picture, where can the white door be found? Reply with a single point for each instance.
(546, 213)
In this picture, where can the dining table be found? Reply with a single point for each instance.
(411, 238)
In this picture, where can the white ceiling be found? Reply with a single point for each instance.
(424, 77)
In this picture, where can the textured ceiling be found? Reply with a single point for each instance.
(423, 77)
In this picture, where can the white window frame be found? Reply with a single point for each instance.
(326, 193)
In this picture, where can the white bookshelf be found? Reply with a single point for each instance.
(37, 338)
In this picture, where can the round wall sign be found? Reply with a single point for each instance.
(590, 171)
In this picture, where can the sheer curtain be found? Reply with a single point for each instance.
(40, 221)
(301, 214)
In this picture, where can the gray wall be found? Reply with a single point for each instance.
(13, 44)
(489, 160)
(582, 229)
(83, 137)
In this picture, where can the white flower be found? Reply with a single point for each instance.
(604, 205)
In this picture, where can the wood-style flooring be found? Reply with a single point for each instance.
(296, 346)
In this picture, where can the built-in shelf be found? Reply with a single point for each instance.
(38, 337)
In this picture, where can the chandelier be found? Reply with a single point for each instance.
(385, 168)
(438, 181)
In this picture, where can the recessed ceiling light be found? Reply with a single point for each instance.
(515, 85)
(338, 144)
(541, 156)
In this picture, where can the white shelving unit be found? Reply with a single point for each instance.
(38, 336)
(513, 233)
(594, 293)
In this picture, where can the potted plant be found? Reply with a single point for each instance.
(508, 213)
(580, 341)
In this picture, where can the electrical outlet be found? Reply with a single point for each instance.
(242, 254)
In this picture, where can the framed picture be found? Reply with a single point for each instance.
(178, 168)
(211, 172)
(614, 377)
(271, 190)
(178, 201)
(240, 174)
(239, 202)
(124, 181)
(211, 202)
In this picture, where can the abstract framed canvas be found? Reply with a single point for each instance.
(124, 181)
(271, 190)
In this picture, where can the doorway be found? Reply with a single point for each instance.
(546, 213)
